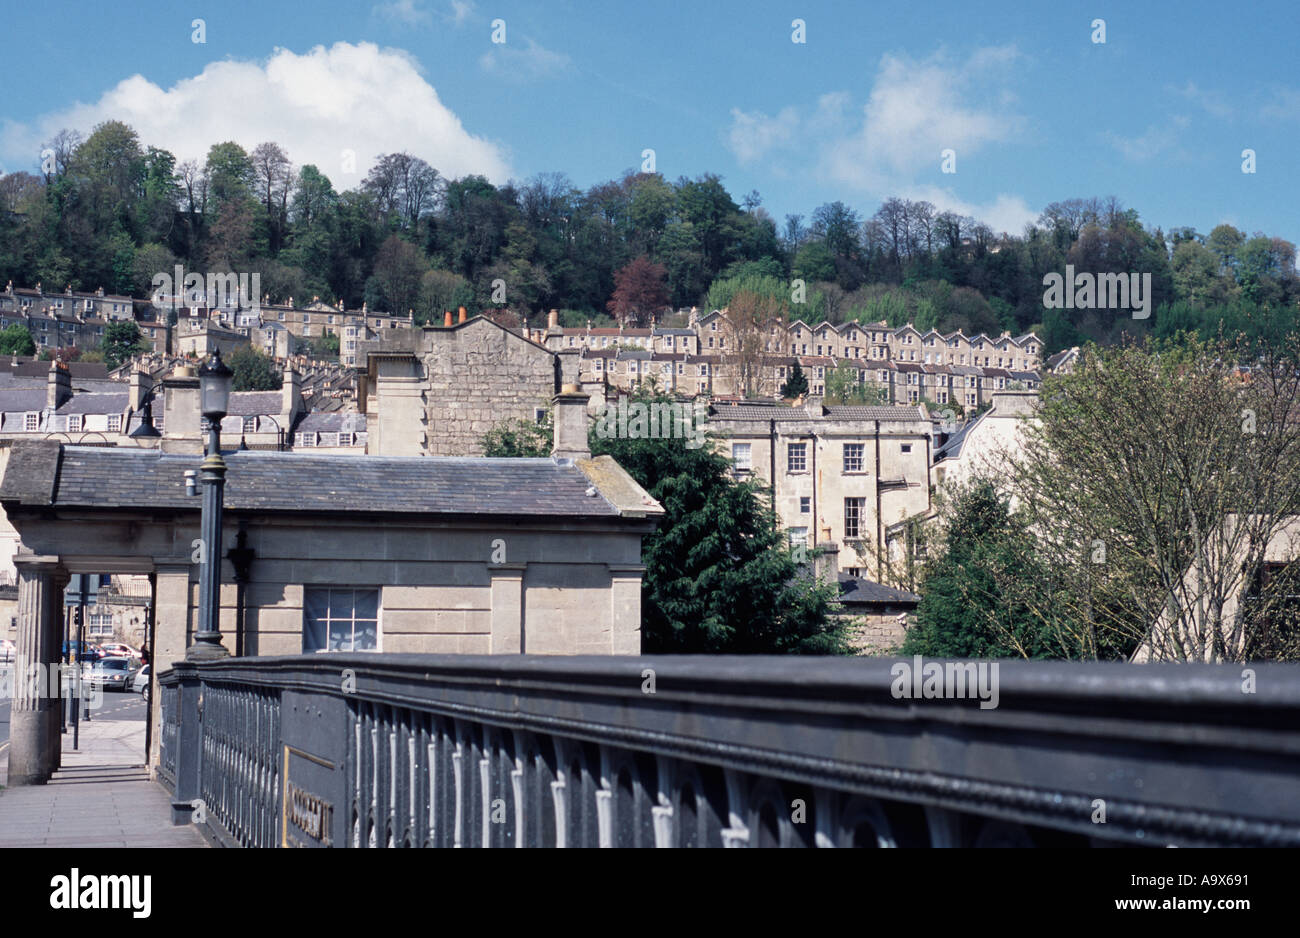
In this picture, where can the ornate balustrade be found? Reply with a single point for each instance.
(506, 751)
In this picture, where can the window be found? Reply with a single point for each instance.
(98, 623)
(805, 505)
(32, 422)
(114, 423)
(906, 447)
(741, 456)
(74, 423)
(347, 439)
(796, 457)
(340, 619)
(853, 571)
(798, 537)
(853, 508)
(853, 456)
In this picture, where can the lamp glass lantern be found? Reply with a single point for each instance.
(215, 379)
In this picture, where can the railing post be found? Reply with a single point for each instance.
(189, 744)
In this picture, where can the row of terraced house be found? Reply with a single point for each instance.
(902, 364)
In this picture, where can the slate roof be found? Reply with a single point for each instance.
(753, 411)
(121, 477)
(254, 403)
(869, 412)
(21, 400)
(332, 423)
(857, 591)
(114, 403)
(951, 448)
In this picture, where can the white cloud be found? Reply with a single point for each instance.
(914, 111)
(404, 11)
(316, 105)
(919, 108)
(753, 135)
(534, 61)
(461, 10)
(1284, 104)
(1152, 142)
(1005, 213)
(1213, 102)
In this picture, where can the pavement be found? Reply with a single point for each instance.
(102, 796)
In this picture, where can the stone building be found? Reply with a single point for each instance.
(393, 554)
(437, 390)
(851, 470)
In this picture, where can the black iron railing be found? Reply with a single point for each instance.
(505, 751)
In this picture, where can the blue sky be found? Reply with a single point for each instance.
(1035, 111)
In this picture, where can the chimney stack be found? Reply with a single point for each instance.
(462, 314)
(58, 390)
(446, 319)
(570, 407)
(553, 320)
(290, 397)
(826, 563)
(141, 383)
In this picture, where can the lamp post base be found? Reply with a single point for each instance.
(206, 648)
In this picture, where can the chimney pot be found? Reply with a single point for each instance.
(462, 314)
(446, 318)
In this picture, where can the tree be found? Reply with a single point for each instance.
(518, 438)
(746, 327)
(121, 341)
(844, 387)
(325, 346)
(639, 291)
(253, 370)
(966, 610)
(16, 340)
(721, 576)
(797, 384)
(399, 265)
(1158, 479)
(273, 176)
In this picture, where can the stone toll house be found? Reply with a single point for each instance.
(395, 554)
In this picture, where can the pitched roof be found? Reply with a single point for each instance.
(855, 590)
(872, 412)
(113, 403)
(125, 477)
(21, 400)
(254, 403)
(325, 422)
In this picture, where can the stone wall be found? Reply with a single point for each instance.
(456, 385)
(878, 634)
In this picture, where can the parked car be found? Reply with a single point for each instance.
(119, 650)
(111, 673)
(7, 650)
(140, 682)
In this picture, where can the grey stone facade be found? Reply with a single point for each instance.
(436, 391)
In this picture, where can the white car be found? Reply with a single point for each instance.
(119, 650)
(140, 683)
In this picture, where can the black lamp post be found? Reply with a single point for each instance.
(214, 401)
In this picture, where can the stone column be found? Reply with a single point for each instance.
(172, 627)
(507, 608)
(625, 608)
(35, 742)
